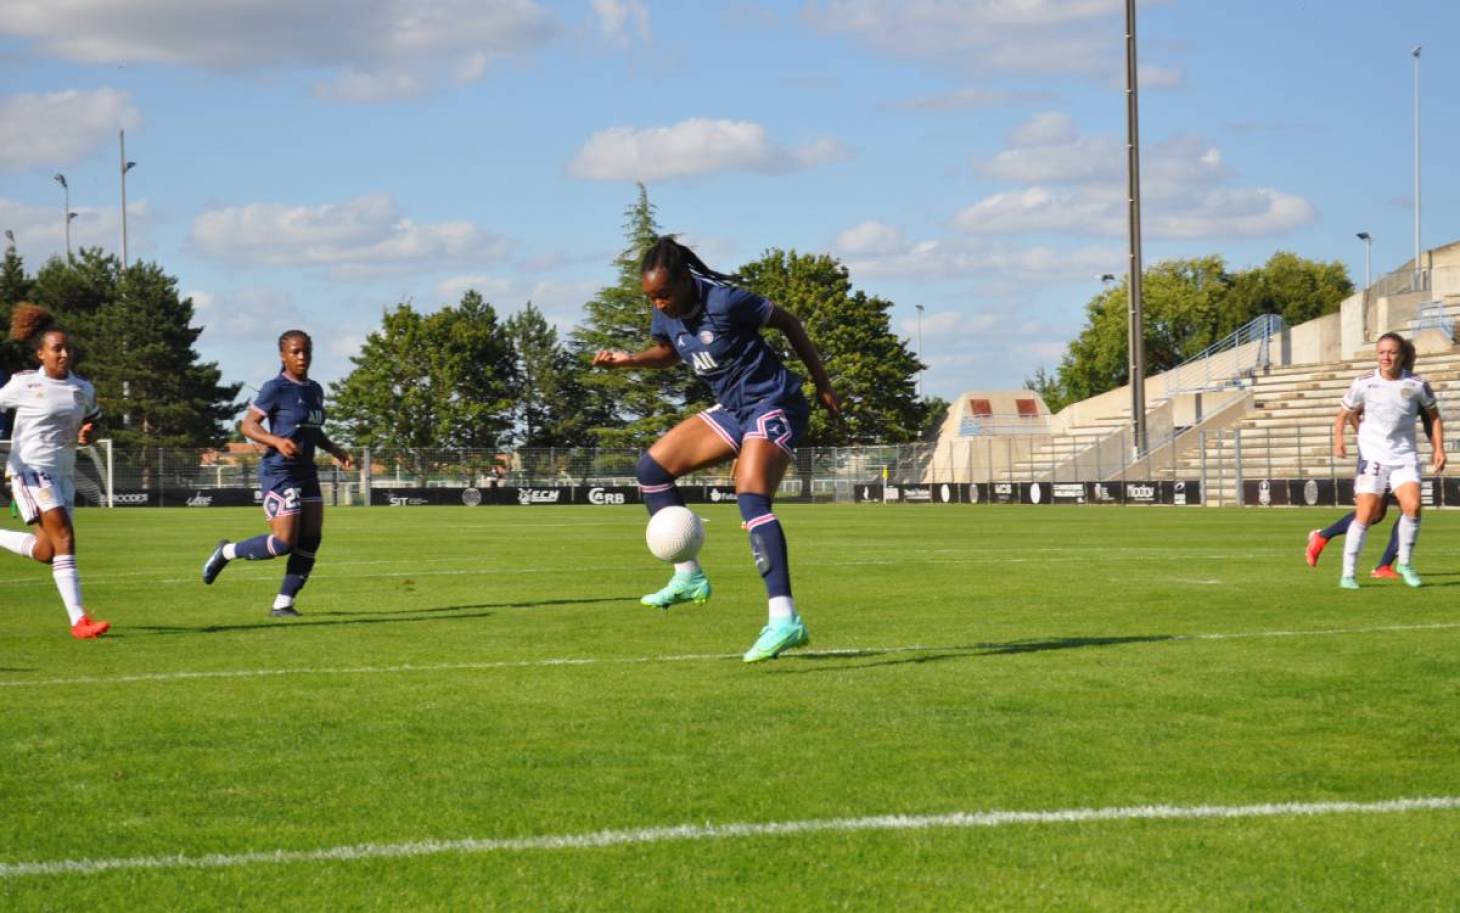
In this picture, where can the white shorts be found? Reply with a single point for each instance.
(1377, 478)
(37, 491)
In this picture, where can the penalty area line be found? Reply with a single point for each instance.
(692, 832)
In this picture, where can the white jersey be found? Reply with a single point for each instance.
(1390, 407)
(48, 415)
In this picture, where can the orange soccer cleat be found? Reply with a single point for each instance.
(1316, 542)
(1384, 572)
(86, 628)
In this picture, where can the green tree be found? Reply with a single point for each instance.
(134, 342)
(76, 291)
(443, 380)
(548, 397)
(1296, 288)
(146, 372)
(630, 408)
(873, 370)
(15, 287)
(1187, 305)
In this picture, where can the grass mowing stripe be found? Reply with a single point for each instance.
(410, 571)
(683, 832)
(849, 652)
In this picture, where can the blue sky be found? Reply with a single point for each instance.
(314, 163)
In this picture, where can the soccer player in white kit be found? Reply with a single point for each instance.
(54, 411)
(1391, 399)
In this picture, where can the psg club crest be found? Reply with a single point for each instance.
(706, 337)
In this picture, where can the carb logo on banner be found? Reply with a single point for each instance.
(603, 496)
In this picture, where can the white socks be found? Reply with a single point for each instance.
(68, 583)
(283, 602)
(230, 551)
(783, 608)
(1353, 543)
(686, 567)
(20, 543)
(1408, 533)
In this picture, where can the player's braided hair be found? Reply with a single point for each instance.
(294, 334)
(674, 258)
(29, 324)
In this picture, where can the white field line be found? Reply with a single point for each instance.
(848, 652)
(686, 832)
(339, 570)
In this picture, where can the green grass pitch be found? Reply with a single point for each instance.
(488, 675)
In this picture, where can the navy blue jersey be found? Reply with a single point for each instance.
(721, 341)
(296, 411)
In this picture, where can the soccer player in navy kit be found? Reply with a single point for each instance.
(294, 407)
(760, 414)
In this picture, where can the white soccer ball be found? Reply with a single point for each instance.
(675, 534)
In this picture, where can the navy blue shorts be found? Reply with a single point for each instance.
(783, 424)
(284, 495)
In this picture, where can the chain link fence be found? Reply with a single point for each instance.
(1232, 466)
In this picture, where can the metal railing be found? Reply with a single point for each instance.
(1229, 362)
(1221, 460)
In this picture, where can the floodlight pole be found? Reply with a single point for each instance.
(920, 350)
(126, 166)
(1137, 341)
(1418, 272)
(66, 214)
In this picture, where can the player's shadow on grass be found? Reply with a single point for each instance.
(308, 621)
(938, 654)
(387, 617)
(518, 604)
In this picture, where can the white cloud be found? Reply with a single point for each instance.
(40, 232)
(972, 99)
(59, 128)
(362, 236)
(618, 18)
(693, 148)
(1101, 211)
(873, 250)
(370, 42)
(356, 86)
(560, 300)
(1076, 184)
(1021, 36)
(870, 237)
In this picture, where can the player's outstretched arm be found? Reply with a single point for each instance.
(783, 320)
(659, 355)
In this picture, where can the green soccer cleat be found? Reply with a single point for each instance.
(1348, 583)
(777, 637)
(1408, 573)
(682, 587)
